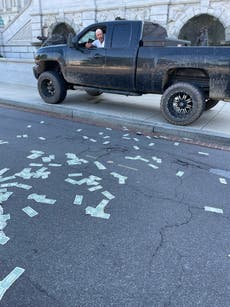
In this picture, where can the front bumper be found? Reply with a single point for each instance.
(36, 71)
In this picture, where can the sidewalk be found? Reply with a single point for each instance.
(140, 113)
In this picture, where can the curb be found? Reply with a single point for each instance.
(119, 121)
(192, 133)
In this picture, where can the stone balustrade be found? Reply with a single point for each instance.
(9, 9)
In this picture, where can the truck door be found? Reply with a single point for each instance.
(85, 66)
(121, 52)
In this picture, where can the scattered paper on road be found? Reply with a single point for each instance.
(203, 153)
(179, 173)
(121, 179)
(7, 282)
(99, 165)
(3, 238)
(212, 209)
(99, 210)
(30, 211)
(35, 154)
(78, 200)
(223, 180)
(41, 199)
(153, 166)
(108, 195)
(95, 188)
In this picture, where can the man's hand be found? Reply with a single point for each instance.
(88, 45)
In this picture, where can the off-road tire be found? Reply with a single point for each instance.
(52, 87)
(182, 103)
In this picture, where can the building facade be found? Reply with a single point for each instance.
(24, 22)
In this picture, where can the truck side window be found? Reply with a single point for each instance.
(88, 36)
(121, 36)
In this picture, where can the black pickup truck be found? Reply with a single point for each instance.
(137, 58)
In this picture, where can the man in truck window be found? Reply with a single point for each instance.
(99, 42)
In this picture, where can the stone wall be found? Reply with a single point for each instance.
(39, 17)
(16, 35)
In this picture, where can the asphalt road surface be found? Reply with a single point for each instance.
(93, 216)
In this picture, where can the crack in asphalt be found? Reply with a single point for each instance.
(164, 229)
(179, 285)
(160, 245)
(194, 164)
(38, 287)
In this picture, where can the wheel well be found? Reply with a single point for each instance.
(49, 65)
(193, 76)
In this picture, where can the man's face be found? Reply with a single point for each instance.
(100, 36)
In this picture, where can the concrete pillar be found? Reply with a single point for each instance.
(4, 5)
(1, 43)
